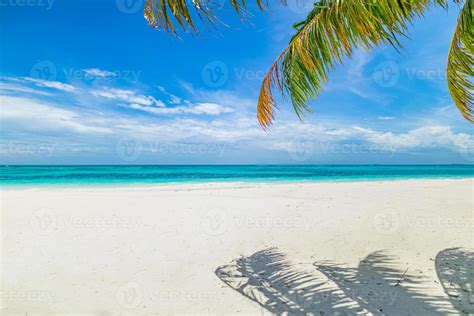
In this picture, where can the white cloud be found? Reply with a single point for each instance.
(94, 72)
(227, 98)
(423, 137)
(172, 98)
(289, 136)
(30, 114)
(209, 108)
(128, 96)
(52, 84)
(21, 89)
(149, 104)
(198, 109)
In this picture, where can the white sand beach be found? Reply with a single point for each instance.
(390, 247)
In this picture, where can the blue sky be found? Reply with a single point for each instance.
(88, 82)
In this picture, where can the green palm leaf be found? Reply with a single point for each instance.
(165, 14)
(330, 32)
(461, 62)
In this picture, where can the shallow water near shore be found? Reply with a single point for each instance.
(116, 175)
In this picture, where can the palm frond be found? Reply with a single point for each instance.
(169, 14)
(330, 32)
(460, 65)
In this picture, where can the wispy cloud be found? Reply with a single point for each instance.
(98, 73)
(129, 96)
(173, 99)
(198, 109)
(11, 87)
(29, 114)
(51, 84)
(241, 102)
(423, 137)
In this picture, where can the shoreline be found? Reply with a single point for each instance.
(250, 183)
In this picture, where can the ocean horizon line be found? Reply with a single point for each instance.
(203, 165)
(159, 174)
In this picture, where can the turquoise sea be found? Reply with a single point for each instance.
(33, 176)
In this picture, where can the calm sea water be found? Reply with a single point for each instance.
(112, 175)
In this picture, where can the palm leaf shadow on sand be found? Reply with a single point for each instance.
(269, 279)
(455, 269)
(380, 286)
(377, 286)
